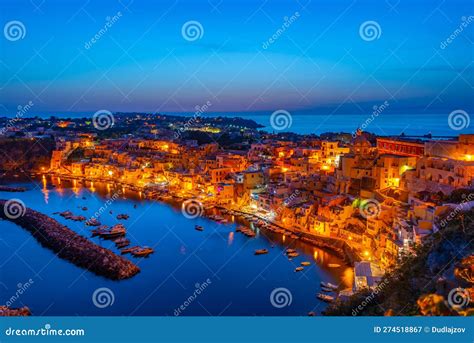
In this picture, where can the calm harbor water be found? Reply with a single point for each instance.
(240, 282)
(383, 124)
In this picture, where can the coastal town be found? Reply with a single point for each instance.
(369, 199)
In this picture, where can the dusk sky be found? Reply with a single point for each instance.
(320, 61)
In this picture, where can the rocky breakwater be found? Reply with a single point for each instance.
(70, 246)
(14, 312)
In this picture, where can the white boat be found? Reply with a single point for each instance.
(325, 297)
(329, 285)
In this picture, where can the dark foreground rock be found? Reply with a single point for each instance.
(14, 312)
(72, 247)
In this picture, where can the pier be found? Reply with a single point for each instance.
(73, 247)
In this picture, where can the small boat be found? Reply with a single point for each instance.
(290, 251)
(294, 237)
(121, 242)
(333, 265)
(329, 285)
(123, 216)
(298, 269)
(84, 208)
(92, 222)
(311, 314)
(199, 228)
(305, 263)
(325, 297)
(142, 252)
(129, 250)
(326, 289)
(114, 232)
(261, 251)
(122, 245)
(293, 254)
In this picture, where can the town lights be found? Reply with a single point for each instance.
(469, 157)
(111, 173)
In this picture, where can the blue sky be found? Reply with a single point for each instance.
(319, 63)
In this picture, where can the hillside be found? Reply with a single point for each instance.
(421, 283)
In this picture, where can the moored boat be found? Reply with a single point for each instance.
(305, 263)
(298, 269)
(329, 285)
(199, 228)
(142, 252)
(129, 250)
(325, 297)
(261, 251)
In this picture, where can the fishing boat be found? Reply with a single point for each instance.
(199, 228)
(261, 251)
(333, 265)
(142, 252)
(298, 269)
(325, 297)
(305, 263)
(329, 285)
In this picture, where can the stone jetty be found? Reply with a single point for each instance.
(72, 247)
